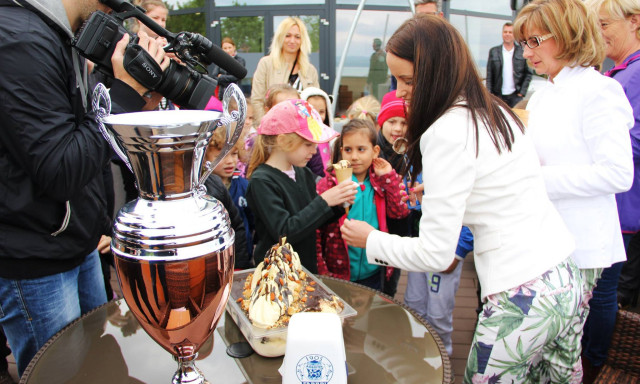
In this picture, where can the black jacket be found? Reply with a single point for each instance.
(521, 71)
(215, 188)
(225, 78)
(52, 196)
(283, 207)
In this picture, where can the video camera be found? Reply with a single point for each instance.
(187, 85)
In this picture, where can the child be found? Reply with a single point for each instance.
(432, 295)
(282, 191)
(278, 93)
(366, 107)
(392, 121)
(237, 187)
(321, 102)
(249, 130)
(379, 197)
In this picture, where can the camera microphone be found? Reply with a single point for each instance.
(222, 59)
(216, 55)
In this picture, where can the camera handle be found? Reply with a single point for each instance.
(232, 91)
(125, 10)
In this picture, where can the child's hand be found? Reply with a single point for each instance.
(414, 194)
(344, 192)
(381, 166)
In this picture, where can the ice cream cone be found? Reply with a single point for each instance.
(344, 171)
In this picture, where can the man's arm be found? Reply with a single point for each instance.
(488, 80)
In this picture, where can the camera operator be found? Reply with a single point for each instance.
(52, 203)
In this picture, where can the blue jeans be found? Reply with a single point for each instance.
(33, 310)
(602, 316)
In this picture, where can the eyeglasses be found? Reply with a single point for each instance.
(535, 41)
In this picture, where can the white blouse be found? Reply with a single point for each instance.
(580, 125)
(518, 235)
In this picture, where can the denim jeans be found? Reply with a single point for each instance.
(602, 316)
(33, 310)
(629, 281)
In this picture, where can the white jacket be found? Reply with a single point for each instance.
(580, 126)
(518, 235)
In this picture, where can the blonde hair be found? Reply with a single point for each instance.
(219, 139)
(275, 90)
(264, 145)
(366, 107)
(617, 9)
(275, 50)
(148, 5)
(574, 27)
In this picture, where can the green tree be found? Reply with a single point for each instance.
(191, 22)
(247, 32)
(313, 27)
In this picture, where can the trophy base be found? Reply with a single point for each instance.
(187, 372)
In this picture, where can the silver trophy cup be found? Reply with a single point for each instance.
(174, 245)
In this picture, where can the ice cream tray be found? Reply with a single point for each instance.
(270, 342)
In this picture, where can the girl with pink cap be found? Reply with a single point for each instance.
(282, 191)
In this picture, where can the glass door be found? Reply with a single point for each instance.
(253, 29)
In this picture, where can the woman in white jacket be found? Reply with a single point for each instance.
(579, 123)
(480, 170)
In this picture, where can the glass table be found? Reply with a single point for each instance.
(385, 343)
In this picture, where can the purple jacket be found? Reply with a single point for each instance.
(629, 202)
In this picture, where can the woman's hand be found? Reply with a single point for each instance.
(355, 232)
(381, 166)
(344, 192)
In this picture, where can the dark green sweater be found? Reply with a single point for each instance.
(283, 207)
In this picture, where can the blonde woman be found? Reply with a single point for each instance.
(579, 123)
(287, 63)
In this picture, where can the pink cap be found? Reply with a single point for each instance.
(391, 106)
(296, 116)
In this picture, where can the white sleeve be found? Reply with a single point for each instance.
(607, 118)
(448, 171)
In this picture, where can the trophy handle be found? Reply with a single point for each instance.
(101, 103)
(239, 115)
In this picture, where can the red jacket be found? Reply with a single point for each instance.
(333, 255)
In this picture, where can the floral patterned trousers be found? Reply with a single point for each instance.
(531, 333)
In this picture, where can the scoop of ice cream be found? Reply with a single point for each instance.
(279, 287)
(275, 285)
(342, 164)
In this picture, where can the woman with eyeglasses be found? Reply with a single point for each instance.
(580, 125)
(481, 171)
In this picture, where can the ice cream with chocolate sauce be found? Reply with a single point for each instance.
(279, 287)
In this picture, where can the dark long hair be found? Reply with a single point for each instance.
(443, 71)
(355, 125)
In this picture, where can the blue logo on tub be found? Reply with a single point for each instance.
(314, 369)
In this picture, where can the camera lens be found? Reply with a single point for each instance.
(186, 87)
